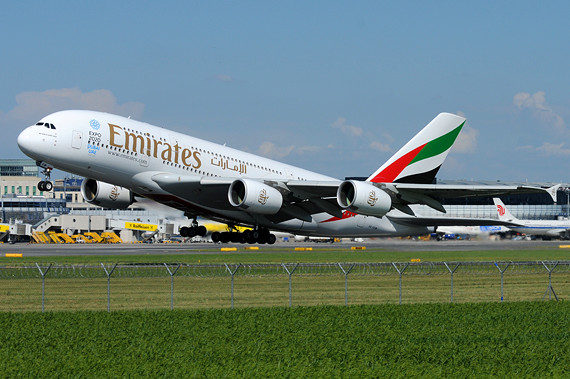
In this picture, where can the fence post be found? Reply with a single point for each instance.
(290, 273)
(549, 290)
(502, 272)
(109, 273)
(451, 272)
(400, 272)
(346, 272)
(172, 273)
(43, 273)
(232, 274)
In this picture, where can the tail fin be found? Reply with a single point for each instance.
(420, 159)
(503, 212)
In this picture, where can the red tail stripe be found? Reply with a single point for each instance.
(391, 172)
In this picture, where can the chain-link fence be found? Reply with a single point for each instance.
(54, 287)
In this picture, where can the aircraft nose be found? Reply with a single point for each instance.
(25, 141)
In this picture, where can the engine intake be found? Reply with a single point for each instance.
(363, 198)
(106, 195)
(256, 197)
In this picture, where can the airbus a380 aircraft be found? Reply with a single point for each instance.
(122, 158)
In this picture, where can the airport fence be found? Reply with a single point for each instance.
(56, 287)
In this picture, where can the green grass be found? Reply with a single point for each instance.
(318, 255)
(430, 340)
(212, 289)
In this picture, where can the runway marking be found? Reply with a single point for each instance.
(14, 255)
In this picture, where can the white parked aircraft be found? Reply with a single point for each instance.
(548, 228)
(123, 158)
(472, 231)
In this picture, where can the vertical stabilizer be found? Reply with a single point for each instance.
(503, 212)
(420, 159)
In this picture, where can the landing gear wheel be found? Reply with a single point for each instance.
(201, 231)
(45, 186)
(271, 239)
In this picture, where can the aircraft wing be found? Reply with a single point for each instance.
(301, 199)
(456, 191)
(404, 194)
(448, 221)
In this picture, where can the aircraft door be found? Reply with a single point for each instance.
(77, 139)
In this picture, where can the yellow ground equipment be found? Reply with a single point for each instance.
(111, 237)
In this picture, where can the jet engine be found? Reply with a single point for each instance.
(363, 198)
(106, 195)
(255, 197)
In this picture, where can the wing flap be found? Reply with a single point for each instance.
(313, 189)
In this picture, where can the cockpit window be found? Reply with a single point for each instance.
(46, 125)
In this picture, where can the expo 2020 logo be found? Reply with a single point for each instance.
(95, 124)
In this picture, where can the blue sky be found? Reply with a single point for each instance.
(335, 87)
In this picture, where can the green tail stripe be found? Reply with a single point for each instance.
(438, 145)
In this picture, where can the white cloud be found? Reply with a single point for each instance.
(270, 150)
(385, 148)
(539, 107)
(31, 106)
(466, 141)
(307, 149)
(547, 148)
(224, 78)
(350, 130)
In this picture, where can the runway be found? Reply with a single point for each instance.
(38, 250)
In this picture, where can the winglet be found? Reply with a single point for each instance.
(420, 159)
(552, 191)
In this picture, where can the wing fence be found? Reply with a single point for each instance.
(55, 287)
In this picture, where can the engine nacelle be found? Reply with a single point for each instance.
(106, 195)
(363, 198)
(255, 197)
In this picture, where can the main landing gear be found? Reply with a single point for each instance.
(194, 230)
(248, 236)
(46, 185)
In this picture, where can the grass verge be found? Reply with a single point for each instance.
(486, 339)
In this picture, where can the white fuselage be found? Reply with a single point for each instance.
(551, 228)
(128, 153)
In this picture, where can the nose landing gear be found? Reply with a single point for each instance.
(46, 185)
